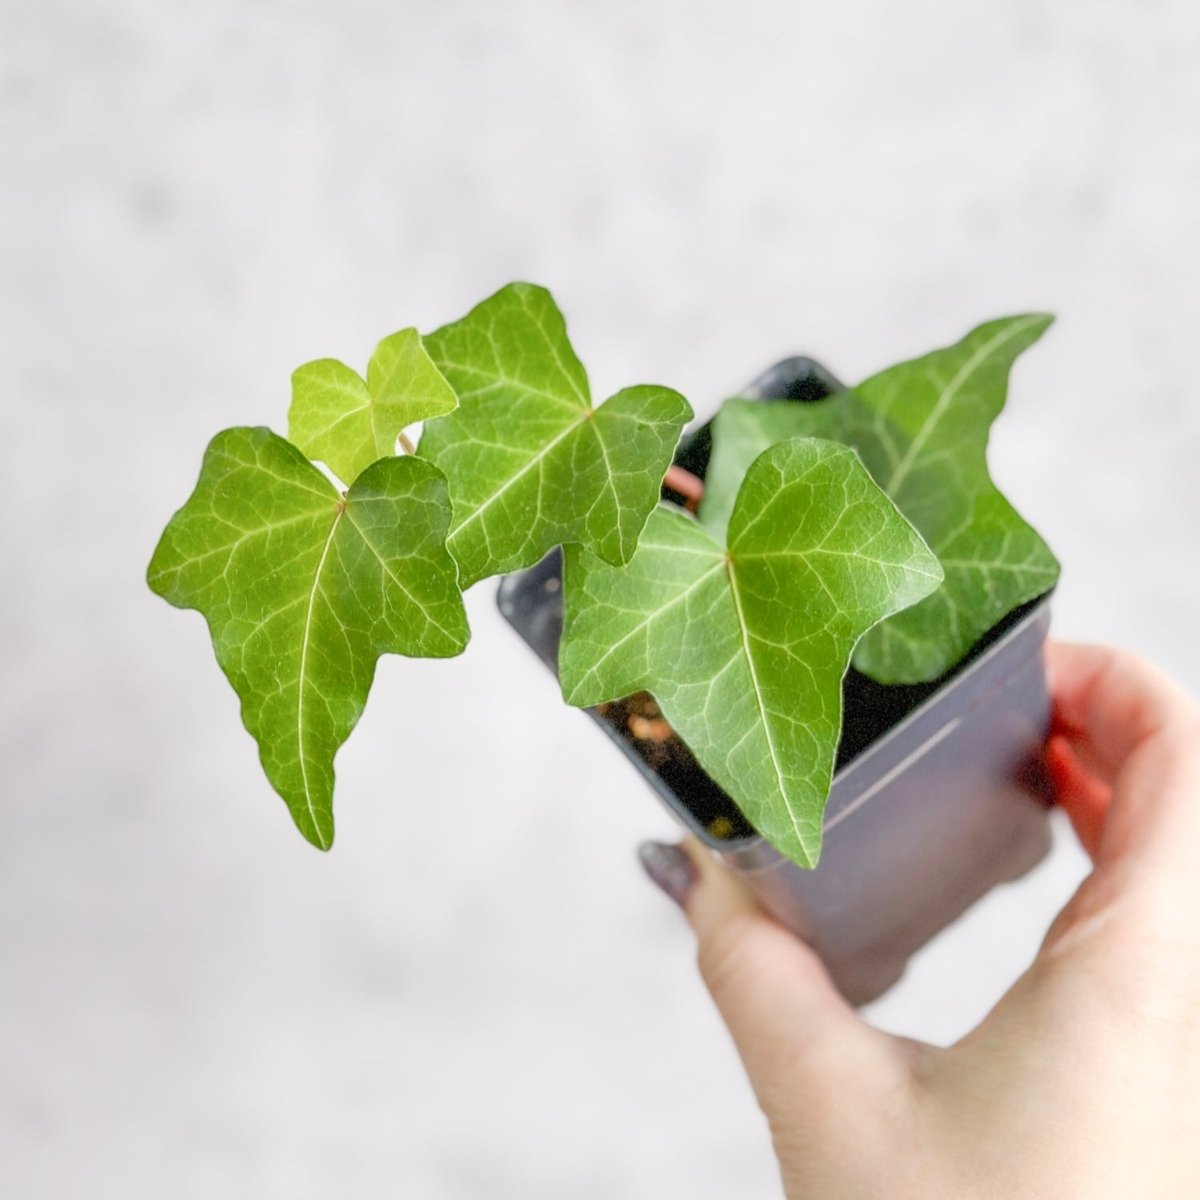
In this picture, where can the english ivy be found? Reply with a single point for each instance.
(921, 428)
(531, 463)
(741, 622)
(303, 589)
(348, 422)
(744, 642)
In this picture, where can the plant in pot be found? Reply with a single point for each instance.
(815, 621)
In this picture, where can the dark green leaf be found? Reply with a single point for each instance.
(744, 644)
(530, 463)
(921, 428)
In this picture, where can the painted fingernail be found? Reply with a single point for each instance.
(669, 868)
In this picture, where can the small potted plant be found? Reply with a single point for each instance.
(812, 622)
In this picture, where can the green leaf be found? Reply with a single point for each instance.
(530, 463)
(348, 423)
(921, 429)
(744, 644)
(303, 589)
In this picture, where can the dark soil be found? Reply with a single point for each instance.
(639, 722)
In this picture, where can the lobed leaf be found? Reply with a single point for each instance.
(744, 643)
(303, 589)
(530, 463)
(346, 422)
(921, 428)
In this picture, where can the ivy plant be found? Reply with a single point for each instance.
(921, 428)
(530, 463)
(744, 641)
(304, 587)
(863, 527)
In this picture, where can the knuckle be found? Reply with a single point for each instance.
(724, 954)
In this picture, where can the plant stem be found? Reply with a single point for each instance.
(689, 486)
(407, 445)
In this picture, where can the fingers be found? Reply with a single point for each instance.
(1107, 702)
(1079, 793)
(794, 1031)
(1131, 729)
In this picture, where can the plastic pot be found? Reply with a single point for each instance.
(937, 796)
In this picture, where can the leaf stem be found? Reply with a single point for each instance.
(689, 486)
(406, 444)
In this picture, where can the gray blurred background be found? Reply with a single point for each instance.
(476, 994)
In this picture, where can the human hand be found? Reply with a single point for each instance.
(1084, 1080)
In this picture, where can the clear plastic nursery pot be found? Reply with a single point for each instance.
(936, 799)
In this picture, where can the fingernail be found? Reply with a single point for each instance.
(669, 868)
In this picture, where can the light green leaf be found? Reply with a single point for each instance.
(744, 644)
(303, 589)
(531, 464)
(921, 428)
(346, 422)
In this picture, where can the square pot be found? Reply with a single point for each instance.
(936, 799)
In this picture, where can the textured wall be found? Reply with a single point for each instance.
(476, 994)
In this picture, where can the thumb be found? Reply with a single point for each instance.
(794, 1031)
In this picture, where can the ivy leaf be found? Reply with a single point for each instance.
(744, 644)
(347, 422)
(530, 463)
(743, 429)
(921, 428)
(303, 589)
